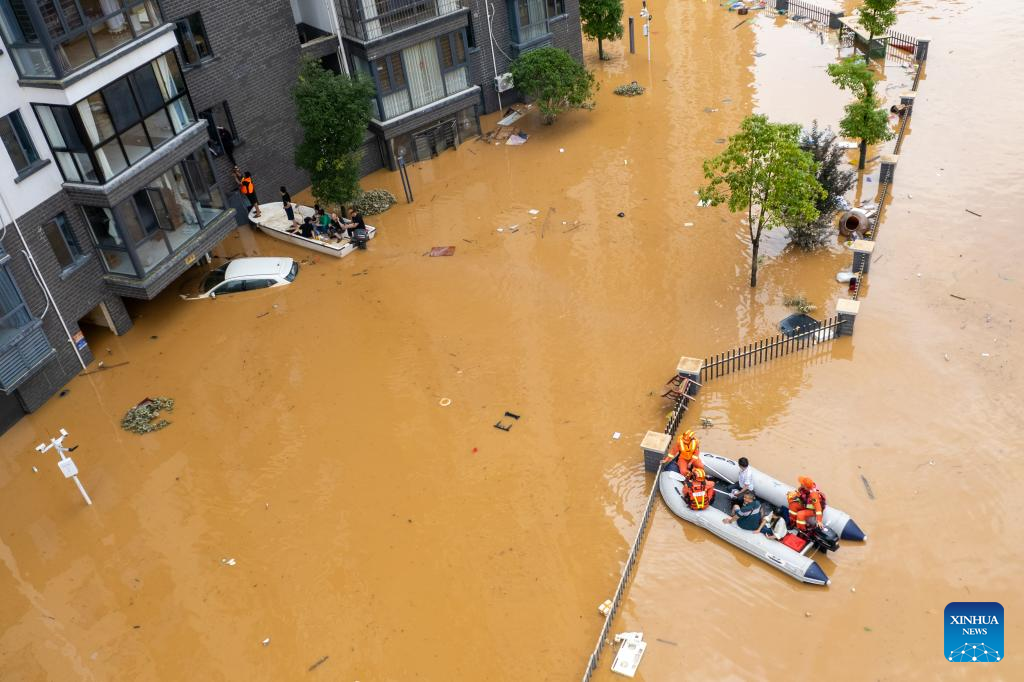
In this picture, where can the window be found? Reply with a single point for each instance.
(118, 126)
(16, 139)
(453, 62)
(529, 19)
(390, 72)
(139, 234)
(195, 47)
(418, 75)
(63, 241)
(556, 8)
(219, 117)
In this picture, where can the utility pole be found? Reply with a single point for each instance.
(65, 463)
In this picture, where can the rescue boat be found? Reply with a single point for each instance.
(274, 223)
(775, 553)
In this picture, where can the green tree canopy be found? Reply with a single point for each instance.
(876, 17)
(554, 80)
(864, 120)
(764, 172)
(333, 111)
(602, 20)
(835, 179)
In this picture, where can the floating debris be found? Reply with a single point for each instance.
(319, 662)
(633, 89)
(374, 201)
(139, 419)
(438, 251)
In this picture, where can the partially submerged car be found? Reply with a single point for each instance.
(245, 274)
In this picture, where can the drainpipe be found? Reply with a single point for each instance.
(337, 32)
(39, 277)
(494, 60)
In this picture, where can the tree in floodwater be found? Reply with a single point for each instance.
(834, 179)
(333, 111)
(764, 172)
(602, 20)
(864, 119)
(876, 17)
(554, 80)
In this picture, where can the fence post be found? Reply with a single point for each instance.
(888, 172)
(847, 310)
(908, 100)
(655, 446)
(781, 6)
(862, 250)
(689, 368)
(922, 49)
(833, 19)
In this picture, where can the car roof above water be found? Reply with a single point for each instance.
(250, 267)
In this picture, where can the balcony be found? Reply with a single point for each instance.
(369, 20)
(51, 40)
(315, 25)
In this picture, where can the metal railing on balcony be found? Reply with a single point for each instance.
(21, 351)
(373, 19)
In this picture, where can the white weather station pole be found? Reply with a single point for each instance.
(65, 463)
(646, 16)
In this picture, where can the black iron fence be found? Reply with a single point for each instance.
(813, 12)
(902, 41)
(683, 402)
(769, 348)
(378, 18)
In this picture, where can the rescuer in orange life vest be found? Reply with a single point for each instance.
(805, 502)
(685, 458)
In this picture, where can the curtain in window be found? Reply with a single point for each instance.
(423, 71)
(531, 20)
(456, 81)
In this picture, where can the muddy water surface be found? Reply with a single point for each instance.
(406, 540)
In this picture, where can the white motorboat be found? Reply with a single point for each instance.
(770, 491)
(273, 221)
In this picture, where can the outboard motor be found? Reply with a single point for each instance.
(359, 237)
(824, 538)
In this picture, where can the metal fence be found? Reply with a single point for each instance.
(902, 41)
(799, 9)
(634, 552)
(769, 348)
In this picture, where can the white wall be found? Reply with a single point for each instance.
(313, 12)
(44, 183)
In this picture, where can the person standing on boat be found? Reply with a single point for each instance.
(806, 502)
(289, 208)
(248, 189)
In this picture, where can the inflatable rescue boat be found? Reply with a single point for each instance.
(770, 491)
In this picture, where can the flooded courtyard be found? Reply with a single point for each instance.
(402, 536)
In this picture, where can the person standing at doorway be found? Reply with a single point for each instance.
(227, 143)
(248, 189)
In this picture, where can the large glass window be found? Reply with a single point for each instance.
(17, 141)
(530, 19)
(141, 232)
(77, 31)
(418, 75)
(63, 241)
(221, 127)
(195, 46)
(118, 126)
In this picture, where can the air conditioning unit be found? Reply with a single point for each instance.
(503, 82)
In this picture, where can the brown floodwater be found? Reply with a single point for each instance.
(405, 540)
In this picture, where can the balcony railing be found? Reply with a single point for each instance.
(372, 19)
(21, 351)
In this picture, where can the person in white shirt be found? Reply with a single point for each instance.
(745, 482)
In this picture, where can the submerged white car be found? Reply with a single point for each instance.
(246, 274)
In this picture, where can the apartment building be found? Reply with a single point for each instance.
(107, 188)
(436, 63)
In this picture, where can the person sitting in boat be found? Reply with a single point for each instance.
(773, 524)
(747, 516)
(698, 491)
(685, 455)
(306, 229)
(806, 504)
(745, 482)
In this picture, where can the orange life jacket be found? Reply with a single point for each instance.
(246, 186)
(812, 499)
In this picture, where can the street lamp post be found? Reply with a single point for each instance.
(65, 463)
(647, 17)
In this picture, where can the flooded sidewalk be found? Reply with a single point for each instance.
(335, 438)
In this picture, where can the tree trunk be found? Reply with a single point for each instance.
(600, 49)
(753, 263)
(867, 52)
(863, 154)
